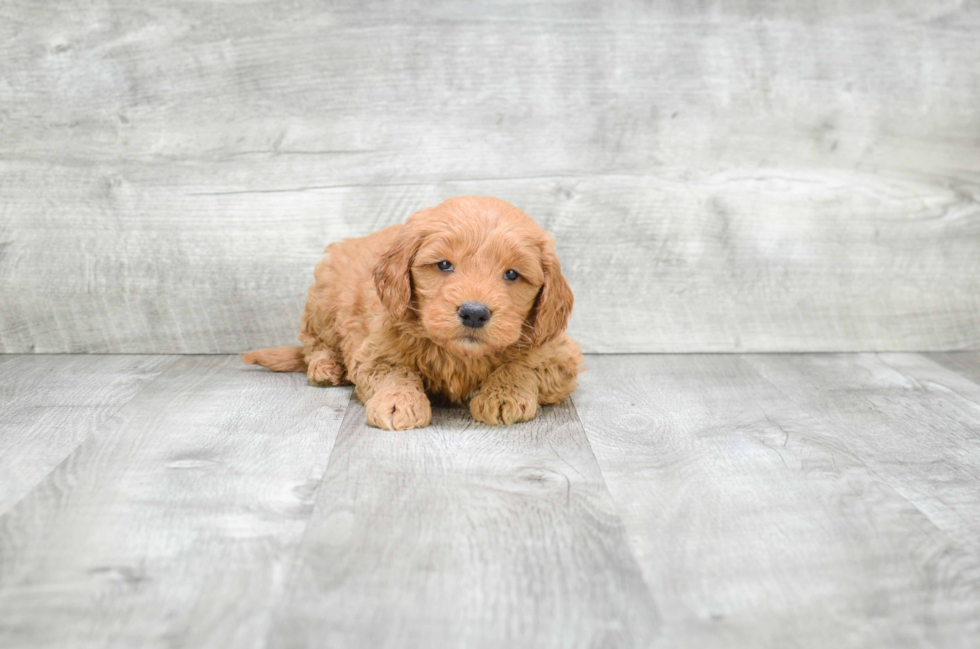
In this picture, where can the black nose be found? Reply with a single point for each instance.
(473, 314)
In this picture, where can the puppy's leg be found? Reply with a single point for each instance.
(508, 395)
(324, 367)
(513, 391)
(393, 396)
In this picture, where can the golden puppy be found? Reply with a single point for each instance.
(465, 301)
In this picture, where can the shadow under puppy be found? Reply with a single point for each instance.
(464, 301)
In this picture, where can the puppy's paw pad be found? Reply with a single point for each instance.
(323, 371)
(504, 407)
(399, 410)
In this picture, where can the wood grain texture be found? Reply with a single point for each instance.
(761, 522)
(915, 423)
(50, 404)
(721, 176)
(465, 535)
(709, 500)
(172, 525)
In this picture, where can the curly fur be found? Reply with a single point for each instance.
(381, 315)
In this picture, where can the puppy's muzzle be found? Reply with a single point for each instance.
(473, 314)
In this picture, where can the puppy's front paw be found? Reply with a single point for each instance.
(504, 405)
(399, 410)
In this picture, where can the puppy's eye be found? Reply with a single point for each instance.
(444, 265)
(511, 275)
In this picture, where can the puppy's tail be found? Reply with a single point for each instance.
(278, 359)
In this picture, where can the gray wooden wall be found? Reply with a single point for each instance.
(721, 176)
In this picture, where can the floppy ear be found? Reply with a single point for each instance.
(554, 304)
(392, 275)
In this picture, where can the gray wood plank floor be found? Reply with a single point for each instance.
(679, 500)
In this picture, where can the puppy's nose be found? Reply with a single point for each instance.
(473, 314)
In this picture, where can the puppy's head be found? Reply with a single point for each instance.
(478, 276)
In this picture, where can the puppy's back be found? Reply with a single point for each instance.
(342, 301)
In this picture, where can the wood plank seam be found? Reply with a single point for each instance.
(893, 483)
(605, 485)
(693, 412)
(462, 481)
(95, 431)
(212, 459)
(291, 563)
(926, 357)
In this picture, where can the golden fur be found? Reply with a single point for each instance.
(382, 315)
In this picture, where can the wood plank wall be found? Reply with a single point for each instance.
(720, 176)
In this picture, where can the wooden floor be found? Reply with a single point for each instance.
(679, 501)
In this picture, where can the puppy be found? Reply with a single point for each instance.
(465, 302)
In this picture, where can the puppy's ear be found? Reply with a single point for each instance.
(555, 300)
(392, 275)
